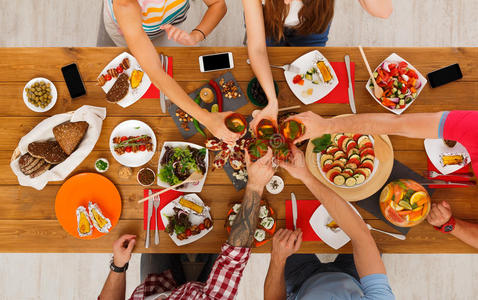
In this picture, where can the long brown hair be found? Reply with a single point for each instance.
(314, 17)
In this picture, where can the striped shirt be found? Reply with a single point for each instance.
(158, 12)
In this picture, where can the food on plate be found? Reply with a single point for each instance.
(257, 93)
(292, 129)
(102, 165)
(183, 118)
(70, 134)
(101, 80)
(191, 205)
(240, 175)
(119, 89)
(404, 202)
(452, 159)
(324, 71)
(146, 176)
(101, 223)
(229, 89)
(134, 144)
(232, 153)
(114, 72)
(179, 224)
(206, 94)
(125, 64)
(266, 223)
(348, 159)
(275, 185)
(39, 94)
(333, 225)
(236, 123)
(136, 78)
(125, 172)
(399, 82)
(178, 163)
(449, 143)
(307, 93)
(84, 223)
(319, 72)
(50, 151)
(217, 90)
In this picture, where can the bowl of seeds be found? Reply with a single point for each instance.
(39, 94)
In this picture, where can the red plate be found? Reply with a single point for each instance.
(79, 190)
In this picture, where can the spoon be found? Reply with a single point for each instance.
(395, 235)
(377, 91)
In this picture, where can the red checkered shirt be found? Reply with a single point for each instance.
(221, 284)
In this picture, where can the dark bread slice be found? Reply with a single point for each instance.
(50, 151)
(119, 89)
(25, 161)
(70, 134)
(40, 170)
(38, 162)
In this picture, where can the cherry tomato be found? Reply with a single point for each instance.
(108, 77)
(297, 78)
(201, 226)
(188, 232)
(128, 149)
(119, 69)
(142, 147)
(124, 138)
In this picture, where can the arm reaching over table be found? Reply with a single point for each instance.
(257, 50)
(128, 14)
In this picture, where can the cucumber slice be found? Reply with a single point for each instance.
(359, 178)
(405, 204)
(350, 181)
(339, 180)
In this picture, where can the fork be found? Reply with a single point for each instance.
(156, 206)
(433, 174)
(286, 67)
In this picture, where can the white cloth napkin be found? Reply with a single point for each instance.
(44, 131)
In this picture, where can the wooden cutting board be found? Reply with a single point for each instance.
(383, 152)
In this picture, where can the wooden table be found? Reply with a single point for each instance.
(27, 216)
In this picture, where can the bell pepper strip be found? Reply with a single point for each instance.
(218, 94)
(195, 122)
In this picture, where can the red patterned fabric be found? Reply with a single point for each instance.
(221, 284)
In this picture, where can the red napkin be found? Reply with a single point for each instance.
(305, 210)
(166, 198)
(340, 93)
(464, 170)
(153, 91)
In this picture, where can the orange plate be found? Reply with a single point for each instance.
(79, 190)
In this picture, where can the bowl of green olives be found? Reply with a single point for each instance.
(39, 94)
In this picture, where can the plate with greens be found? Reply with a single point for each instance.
(177, 161)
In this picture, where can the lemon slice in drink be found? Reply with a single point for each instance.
(386, 193)
(417, 196)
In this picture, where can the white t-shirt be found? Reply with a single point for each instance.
(292, 18)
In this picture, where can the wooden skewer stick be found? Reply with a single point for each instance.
(196, 176)
(289, 108)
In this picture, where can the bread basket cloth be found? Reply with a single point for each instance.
(44, 131)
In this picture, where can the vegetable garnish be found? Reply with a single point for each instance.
(321, 143)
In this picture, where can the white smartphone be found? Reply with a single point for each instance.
(214, 62)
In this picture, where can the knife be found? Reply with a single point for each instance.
(161, 94)
(166, 59)
(350, 89)
(294, 209)
(150, 214)
(443, 182)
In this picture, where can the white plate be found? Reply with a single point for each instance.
(54, 95)
(279, 188)
(423, 80)
(436, 147)
(133, 94)
(190, 187)
(375, 167)
(304, 63)
(195, 219)
(335, 238)
(132, 128)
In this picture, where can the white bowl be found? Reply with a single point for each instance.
(54, 95)
(423, 80)
(137, 177)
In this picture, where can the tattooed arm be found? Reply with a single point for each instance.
(259, 173)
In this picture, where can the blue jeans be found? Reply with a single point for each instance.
(300, 267)
(292, 39)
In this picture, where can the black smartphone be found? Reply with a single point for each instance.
(73, 81)
(444, 75)
(214, 62)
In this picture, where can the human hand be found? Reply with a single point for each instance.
(260, 172)
(314, 124)
(217, 126)
(439, 214)
(269, 112)
(285, 243)
(181, 36)
(122, 249)
(296, 165)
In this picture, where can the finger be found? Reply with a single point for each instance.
(131, 244)
(165, 27)
(443, 211)
(446, 204)
(125, 237)
(291, 239)
(248, 158)
(298, 242)
(177, 35)
(171, 31)
(254, 113)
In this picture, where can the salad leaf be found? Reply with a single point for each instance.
(321, 143)
(179, 229)
(166, 174)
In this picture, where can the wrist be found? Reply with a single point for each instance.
(278, 260)
(196, 36)
(448, 226)
(119, 263)
(253, 187)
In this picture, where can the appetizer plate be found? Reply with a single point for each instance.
(195, 219)
(190, 188)
(133, 94)
(81, 189)
(335, 238)
(133, 128)
(304, 63)
(423, 80)
(435, 148)
(375, 168)
(54, 95)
